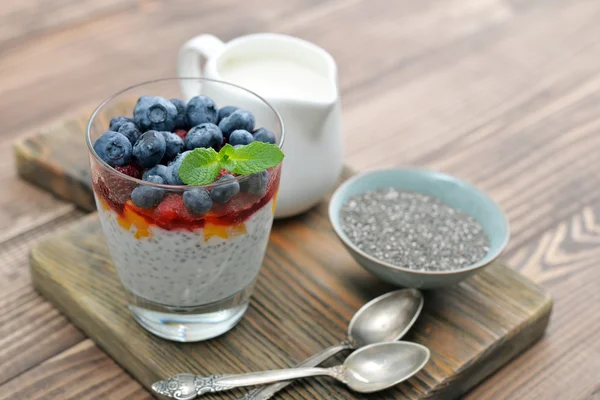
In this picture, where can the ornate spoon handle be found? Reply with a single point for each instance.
(267, 392)
(219, 383)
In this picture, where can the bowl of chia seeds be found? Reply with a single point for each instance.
(418, 228)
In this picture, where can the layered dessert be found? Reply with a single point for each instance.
(186, 194)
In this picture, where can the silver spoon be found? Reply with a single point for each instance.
(370, 369)
(386, 318)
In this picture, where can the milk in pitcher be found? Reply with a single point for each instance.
(277, 77)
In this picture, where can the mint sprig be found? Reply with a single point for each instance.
(201, 166)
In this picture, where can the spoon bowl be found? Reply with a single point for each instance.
(383, 365)
(386, 318)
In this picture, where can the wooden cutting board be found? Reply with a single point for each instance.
(307, 291)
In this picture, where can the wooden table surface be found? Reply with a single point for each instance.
(503, 93)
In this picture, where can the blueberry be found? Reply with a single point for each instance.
(204, 135)
(148, 196)
(181, 120)
(142, 102)
(116, 123)
(114, 148)
(131, 131)
(173, 176)
(173, 169)
(149, 149)
(197, 201)
(226, 112)
(158, 170)
(143, 99)
(174, 145)
(239, 119)
(223, 193)
(240, 136)
(200, 110)
(264, 135)
(155, 113)
(256, 184)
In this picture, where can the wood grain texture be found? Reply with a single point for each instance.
(565, 259)
(43, 158)
(471, 329)
(502, 93)
(26, 18)
(31, 330)
(81, 372)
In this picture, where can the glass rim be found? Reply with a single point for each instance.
(107, 167)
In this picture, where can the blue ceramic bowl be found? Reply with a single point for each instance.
(450, 190)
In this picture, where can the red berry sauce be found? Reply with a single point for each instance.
(171, 213)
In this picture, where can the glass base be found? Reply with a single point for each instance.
(190, 324)
(188, 327)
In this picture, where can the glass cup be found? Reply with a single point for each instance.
(187, 277)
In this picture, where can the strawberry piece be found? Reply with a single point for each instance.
(222, 172)
(239, 203)
(166, 211)
(181, 133)
(119, 188)
(103, 192)
(172, 211)
(130, 170)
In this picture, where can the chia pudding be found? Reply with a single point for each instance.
(186, 268)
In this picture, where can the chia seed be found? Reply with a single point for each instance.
(413, 230)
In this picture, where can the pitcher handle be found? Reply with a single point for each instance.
(192, 56)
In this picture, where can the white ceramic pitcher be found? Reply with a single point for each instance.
(313, 129)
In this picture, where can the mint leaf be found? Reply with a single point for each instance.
(252, 158)
(200, 167)
(225, 157)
